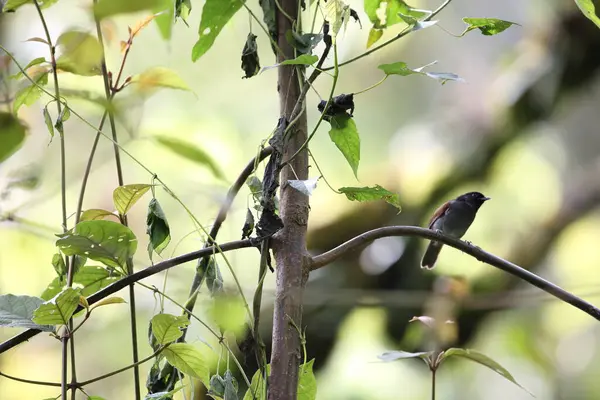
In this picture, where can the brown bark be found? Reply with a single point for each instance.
(289, 245)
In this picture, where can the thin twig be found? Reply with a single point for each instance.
(29, 381)
(481, 255)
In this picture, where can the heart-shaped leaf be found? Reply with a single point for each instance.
(167, 328)
(124, 197)
(17, 312)
(58, 310)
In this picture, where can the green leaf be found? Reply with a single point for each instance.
(30, 93)
(371, 193)
(124, 197)
(12, 5)
(304, 59)
(229, 313)
(158, 77)
(107, 8)
(257, 389)
(48, 121)
(95, 398)
(374, 35)
(17, 312)
(588, 9)
(493, 26)
(188, 359)
(54, 288)
(12, 134)
(95, 214)
(303, 43)
(214, 279)
(401, 355)
(59, 265)
(81, 53)
(307, 383)
(392, 10)
(182, 9)
(93, 278)
(400, 68)
(167, 328)
(58, 310)
(192, 153)
(250, 61)
(105, 241)
(215, 15)
(157, 228)
(483, 360)
(166, 18)
(34, 62)
(345, 136)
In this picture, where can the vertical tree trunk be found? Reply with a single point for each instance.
(289, 244)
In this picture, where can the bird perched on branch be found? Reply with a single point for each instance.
(452, 218)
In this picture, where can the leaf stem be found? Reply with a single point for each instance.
(373, 86)
(433, 371)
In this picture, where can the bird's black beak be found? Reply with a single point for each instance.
(487, 198)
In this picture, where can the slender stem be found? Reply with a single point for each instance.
(404, 32)
(433, 371)
(63, 190)
(111, 118)
(118, 371)
(31, 382)
(312, 157)
(88, 169)
(373, 86)
(137, 276)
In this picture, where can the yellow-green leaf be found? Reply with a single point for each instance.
(81, 53)
(371, 193)
(489, 26)
(158, 77)
(124, 197)
(12, 134)
(166, 328)
(109, 300)
(374, 35)
(30, 93)
(192, 153)
(107, 8)
(96, 213)
(58, 310)
(188, 359)
(588, 9)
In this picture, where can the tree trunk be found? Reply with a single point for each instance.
(289, 245)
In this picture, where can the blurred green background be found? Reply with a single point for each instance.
(523, 130)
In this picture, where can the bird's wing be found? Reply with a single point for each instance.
(438, 213)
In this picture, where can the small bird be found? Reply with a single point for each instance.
(453, 218)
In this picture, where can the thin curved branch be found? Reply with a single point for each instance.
(129, 279)
(481, 255)
(29, 381)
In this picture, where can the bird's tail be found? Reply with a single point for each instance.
(431, 255)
